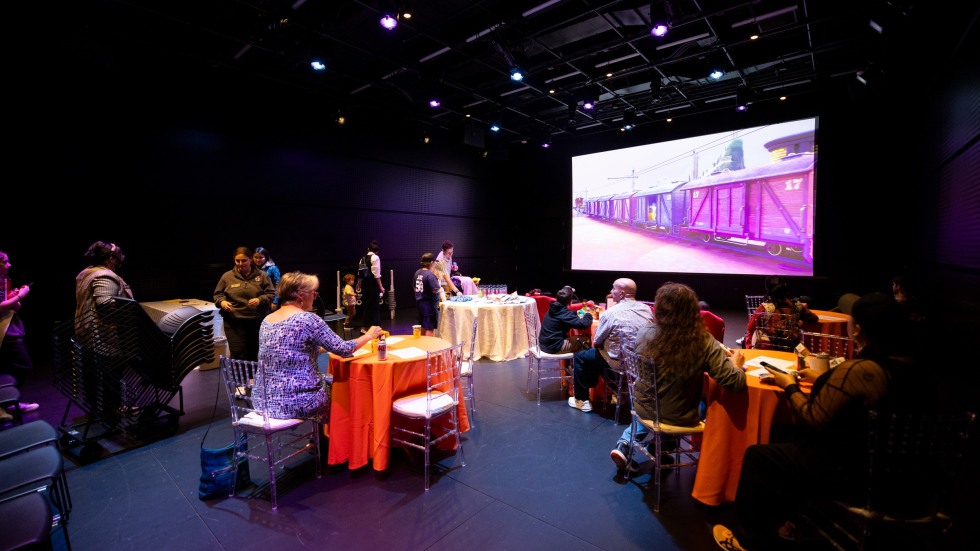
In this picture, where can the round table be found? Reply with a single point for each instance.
(502, 333)
(735, 421)
(364, 389)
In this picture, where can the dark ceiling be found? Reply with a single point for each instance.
(462, 51)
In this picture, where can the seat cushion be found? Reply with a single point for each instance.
(546, 356)
(467, 369)
(672, 429)
(414, 405)
(255, 420)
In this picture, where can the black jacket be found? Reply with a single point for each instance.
(556, 324)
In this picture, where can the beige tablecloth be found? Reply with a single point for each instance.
(501, 335)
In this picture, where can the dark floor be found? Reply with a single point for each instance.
(536, 477)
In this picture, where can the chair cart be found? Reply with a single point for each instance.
(122, 370)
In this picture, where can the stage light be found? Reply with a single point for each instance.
(516, 74)
(318, 65)
(495, 128)
(434, 102)
(741, 100)
(388, 22)
(629, 120)
(659, 19)
(589, 98)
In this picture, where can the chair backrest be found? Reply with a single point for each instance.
(543, 303)
(752, 302)
(239, 378)
(836, 346)
(631, 366)
(914, 461)
(442, 372)
(472, 355)
(714, 324)
(533, 325)
(775, 331)
(621, 337)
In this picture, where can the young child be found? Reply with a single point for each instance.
(350, 298)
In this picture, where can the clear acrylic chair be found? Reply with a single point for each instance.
(678, 442)
(914, 465)
(836, 346)
(536, 358)
(614, 379)
(752, 303)
(281, 439)
(414, 414)
(774, 331)
(466, 370)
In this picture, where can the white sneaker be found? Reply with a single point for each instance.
(583, 405)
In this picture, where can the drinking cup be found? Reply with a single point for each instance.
(416, 330)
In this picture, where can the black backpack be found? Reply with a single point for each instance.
(364, 267)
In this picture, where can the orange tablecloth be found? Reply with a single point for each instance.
(363, 391)
(830, 323)
(735, 421)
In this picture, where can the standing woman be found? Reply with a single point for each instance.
(14, 359)
(245, 295)
(263, 260)
(444, 267)
(371, 288)
(290, 341)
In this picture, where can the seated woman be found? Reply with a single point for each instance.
(558, 321)
(769, 333)
(290, 340)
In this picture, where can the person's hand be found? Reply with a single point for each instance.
(382, 289)
(374, 331)
(808, 374)
(782, 380)
(737, 358)
(23, 291)
(225, 305)
(254, 302)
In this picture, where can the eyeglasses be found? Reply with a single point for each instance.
(315, 293)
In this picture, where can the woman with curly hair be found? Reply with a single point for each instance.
(678, 350)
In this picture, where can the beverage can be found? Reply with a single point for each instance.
(382, 348)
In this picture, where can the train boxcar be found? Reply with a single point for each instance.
(654, 209)
(768, 206)
(623, 207)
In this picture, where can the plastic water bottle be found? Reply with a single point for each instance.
(382, 347)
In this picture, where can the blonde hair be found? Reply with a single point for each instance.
(294, 283)
(348, 278)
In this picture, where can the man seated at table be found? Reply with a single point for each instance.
(627, 315)
(558, 321)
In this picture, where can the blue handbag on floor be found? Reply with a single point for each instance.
(218, 473)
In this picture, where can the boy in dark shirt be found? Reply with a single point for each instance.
(558, 321)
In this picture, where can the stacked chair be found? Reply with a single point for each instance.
(34, 495)
(122, 370)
